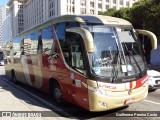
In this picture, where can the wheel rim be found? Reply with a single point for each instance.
(57, 94)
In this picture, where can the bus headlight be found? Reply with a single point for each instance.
(101, 92)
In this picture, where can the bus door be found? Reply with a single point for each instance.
(77, 69)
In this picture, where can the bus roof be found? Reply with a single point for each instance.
(88, 19)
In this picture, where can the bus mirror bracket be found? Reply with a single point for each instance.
(151, 35)
(86, 35)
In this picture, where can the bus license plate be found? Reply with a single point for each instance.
(129, 101)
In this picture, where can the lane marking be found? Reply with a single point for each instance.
(40, 99)
(152, 102)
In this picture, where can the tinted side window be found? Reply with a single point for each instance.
(76, 51)
(61, 34)
(6, 49)
(31, 43)
(47, 39)
(16, 46)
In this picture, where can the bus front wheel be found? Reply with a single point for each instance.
(56, 93)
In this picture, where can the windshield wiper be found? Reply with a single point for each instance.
(130, 53)
(115, 67)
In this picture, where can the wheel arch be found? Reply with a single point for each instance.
(51, 82)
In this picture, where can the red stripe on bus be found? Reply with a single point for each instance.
(141, 81)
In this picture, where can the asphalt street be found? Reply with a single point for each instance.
(24, 98)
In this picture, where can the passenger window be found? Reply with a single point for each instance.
(16, 47)
(47, 39)
(6, 50)
(31, 43)
(61, 34)
(76, 53)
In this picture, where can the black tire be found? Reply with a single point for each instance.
(14, 80)
(152, 90)
(56, 94)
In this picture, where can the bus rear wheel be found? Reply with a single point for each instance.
(56, 94)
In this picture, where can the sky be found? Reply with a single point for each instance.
(3, 2)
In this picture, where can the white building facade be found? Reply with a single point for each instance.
(16, 11)
(29, 13)
(3, 14)
(7, 29)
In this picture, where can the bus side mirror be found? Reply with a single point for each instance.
(86, 35)
(151, 35)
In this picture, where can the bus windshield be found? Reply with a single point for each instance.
(117, 52)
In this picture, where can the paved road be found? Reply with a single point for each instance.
(23, 98)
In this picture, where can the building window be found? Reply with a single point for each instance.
(114, 7)
(114, 1)
(83, 2)
(73, 9)
(107, 0)
(83, 11)
(99, 5)
(107, 6)
(91, 11)
(127, 4)
(92, 4)
(121, 2)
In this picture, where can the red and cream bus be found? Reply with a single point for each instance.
(95, 62)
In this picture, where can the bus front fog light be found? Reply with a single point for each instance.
(102, 104)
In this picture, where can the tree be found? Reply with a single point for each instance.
(123, 13)
(109, 12)
(145, 14)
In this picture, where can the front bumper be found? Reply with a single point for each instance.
(154, 87)
(154, 83)
(115, 99)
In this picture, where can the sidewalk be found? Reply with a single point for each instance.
(13, 100)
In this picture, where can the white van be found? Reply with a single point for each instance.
(154, 79)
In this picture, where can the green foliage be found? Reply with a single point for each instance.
(123, 13)
(145, 14)
(109, 12)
